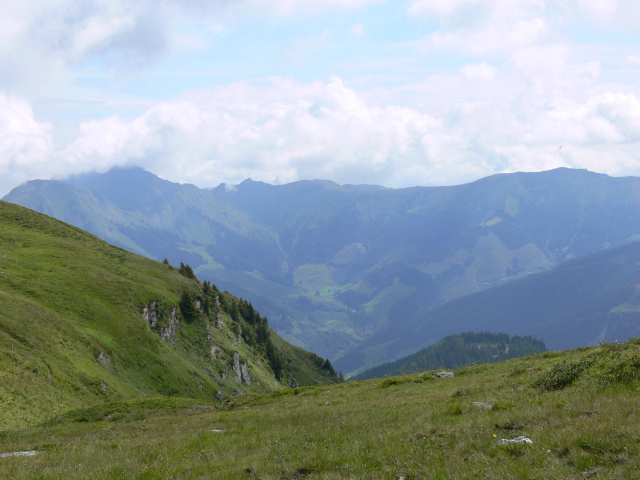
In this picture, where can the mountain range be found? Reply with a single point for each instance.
(365, 274)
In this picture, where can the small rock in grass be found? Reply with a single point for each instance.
(219, 395)
(443, 374)
(520, 439)
(483, 405)
(28, 453)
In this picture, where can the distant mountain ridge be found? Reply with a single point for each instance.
(334, 266)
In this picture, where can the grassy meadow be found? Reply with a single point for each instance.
(580, 408)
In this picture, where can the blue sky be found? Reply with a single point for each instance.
(397, 93)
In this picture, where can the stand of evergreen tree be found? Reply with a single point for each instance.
(457, 350)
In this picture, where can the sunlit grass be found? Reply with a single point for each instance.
(414, 426)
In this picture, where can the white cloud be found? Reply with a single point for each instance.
(287, 131)
(281, 132)
(25, 145)
(478, 71)
(47, 39)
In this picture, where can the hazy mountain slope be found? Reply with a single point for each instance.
(582, 302)
(82, 322)
(332, 266)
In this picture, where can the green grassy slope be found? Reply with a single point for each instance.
(72, 331)
(579, 408)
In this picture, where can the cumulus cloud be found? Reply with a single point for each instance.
(287, 131)
(25, 144)
(497, 26)
(277, 133)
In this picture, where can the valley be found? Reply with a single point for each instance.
(345, 270)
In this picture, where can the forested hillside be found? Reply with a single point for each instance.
(457, 350)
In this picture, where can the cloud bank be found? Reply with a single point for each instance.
(516, 85)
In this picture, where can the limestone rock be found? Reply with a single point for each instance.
(149, 314)
(103, 360)
(443, 374)
(214, 351)
(293, 383)
(244, 370)
(219, 321)
(520, 439)
(169, 333)
(236, 366)
(219, 395)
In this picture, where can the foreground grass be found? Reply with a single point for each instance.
(582, 426)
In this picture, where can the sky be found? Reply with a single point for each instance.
(390, 92)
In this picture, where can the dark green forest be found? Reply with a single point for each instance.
(460, 349)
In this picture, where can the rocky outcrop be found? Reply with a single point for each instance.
(244, 370)
(104, 360)
(443, 374)
(219, 321)
(236, 366)
(152, 316)
(169, 333)
(293, 383)
(214, 351)
(241, 371)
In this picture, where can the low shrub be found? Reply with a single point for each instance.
(563, 374)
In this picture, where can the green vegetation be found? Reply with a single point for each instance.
(357, 273)
(415, 426)
(83, 323)
(457, 350)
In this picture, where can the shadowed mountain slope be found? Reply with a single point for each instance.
(584, 301)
